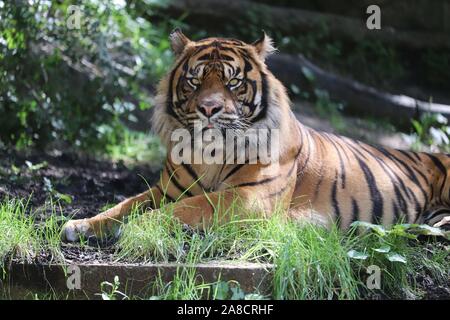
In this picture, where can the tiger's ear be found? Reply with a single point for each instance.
(264, 46)
(178, 41)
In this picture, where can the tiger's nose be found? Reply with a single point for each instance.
(210, 108)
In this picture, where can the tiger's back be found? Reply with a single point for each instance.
(349, 180)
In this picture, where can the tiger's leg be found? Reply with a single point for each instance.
(197, 211)
(201, 211)
(106, 221)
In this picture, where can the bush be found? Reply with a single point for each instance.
(61, 84)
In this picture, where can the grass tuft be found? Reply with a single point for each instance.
(22, 237)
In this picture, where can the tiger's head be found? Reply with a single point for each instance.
(217, 82)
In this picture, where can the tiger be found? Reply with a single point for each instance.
(225, 84)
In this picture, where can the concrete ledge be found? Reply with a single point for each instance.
(22, 280)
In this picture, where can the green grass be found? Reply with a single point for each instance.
(22, 236)
(310, 262)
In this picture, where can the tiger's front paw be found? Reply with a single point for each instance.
(73, 230)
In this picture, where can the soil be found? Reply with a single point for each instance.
(90, 183)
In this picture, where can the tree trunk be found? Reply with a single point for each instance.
(358, 98)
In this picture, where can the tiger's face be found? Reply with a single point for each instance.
(219, 83)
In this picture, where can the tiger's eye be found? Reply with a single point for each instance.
(194, 81)
(234, 82)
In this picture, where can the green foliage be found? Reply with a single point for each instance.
(64, 85)
(375, 62)
(390, 250)
(136, 147)
(22, 235)
(110, 291)
(185, 285)
(330, 109)
(431, 133)
(436, 67)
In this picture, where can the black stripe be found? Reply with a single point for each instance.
(316, 190)
(375, 195)
(255, 183)
(233, 171)
(441, 168)
(172, 168)
(432, 214)
(401, 201)
(307, 157)
(164, 194)
(191, 171)
(355, 210)
(437, 163)
(416, 155)
(409, 172)
(169, 108)
(395, 180)
(341, 162)
(279, 191)
(350, 143)
(172, 179)
(396, 212)
(265, 92)
(407, 154)
(334, 201)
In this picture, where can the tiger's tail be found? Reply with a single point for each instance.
(438, 214)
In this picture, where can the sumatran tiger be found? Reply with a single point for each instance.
(224, 84)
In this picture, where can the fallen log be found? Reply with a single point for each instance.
(359, 98)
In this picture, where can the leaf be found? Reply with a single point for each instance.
(438, 136)
(221, 289)
(403, 230)
(309, 75)
(370, 226)
(105, 296)
(295, 89)
(383, 249)
(418, 127)
(395, 257)
(429, 230)
(64, 197)
(353, 254)
(441, 118)
(238, 294)
(405, 226)
(36, 167)
(15, 169)
(48, 186)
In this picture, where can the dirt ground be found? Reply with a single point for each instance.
(90, 183)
